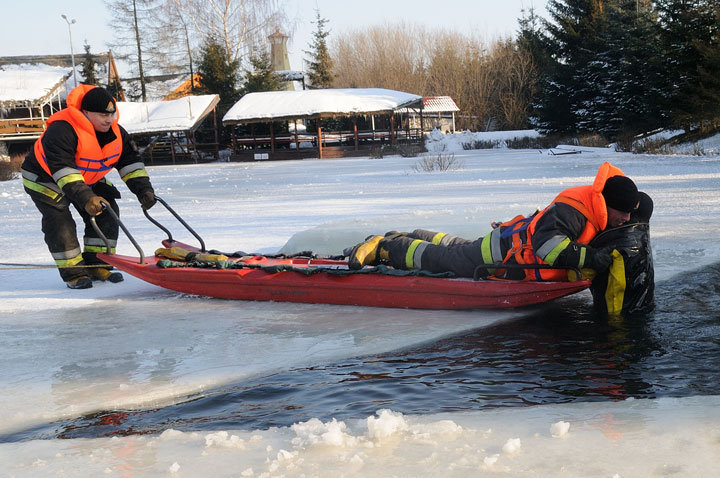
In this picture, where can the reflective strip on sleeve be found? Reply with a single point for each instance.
(552, 248)
(134, 170)
(437, 238)
(37, 187)
(70, 178)
(583, 256)
(64, 172)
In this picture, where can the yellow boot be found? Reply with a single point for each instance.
(365, 253)
(102, 274)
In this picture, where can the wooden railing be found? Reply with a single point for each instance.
(21, 128)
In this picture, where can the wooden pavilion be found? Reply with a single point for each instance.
(319, 123)
(169, 127)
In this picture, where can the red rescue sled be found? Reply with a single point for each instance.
(256, 282)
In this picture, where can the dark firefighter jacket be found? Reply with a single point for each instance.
(558, 235)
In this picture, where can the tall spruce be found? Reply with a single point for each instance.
(88, 67)
(261, 77)
(572, 41)
(606, 75)
(219, 75)
(623, 89)
(320, 64)
(690, 39)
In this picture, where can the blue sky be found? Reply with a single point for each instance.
(34, 28)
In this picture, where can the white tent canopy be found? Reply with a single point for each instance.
(182, 114)
(284, 105)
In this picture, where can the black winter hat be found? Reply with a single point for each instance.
(621, 193)
(98, 100)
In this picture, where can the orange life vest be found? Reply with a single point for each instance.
(93, 161)
(586, 199)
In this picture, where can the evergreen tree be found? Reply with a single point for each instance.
(261, 77)
(623, 89)
(606, 73)
(572, 43)
(88, 67)
(690, 40)
(218, 75)
(320, 65)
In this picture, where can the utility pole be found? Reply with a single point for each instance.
(72, 53)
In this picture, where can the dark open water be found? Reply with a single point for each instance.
(560, 353)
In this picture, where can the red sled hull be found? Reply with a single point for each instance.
(374, 290)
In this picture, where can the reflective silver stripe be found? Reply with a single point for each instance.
(549, 245)
(447, 239)
(417, 256)
(32, 177)
(130, 168)
(495, 248)
(65, 172)
(59, 256)
(95, 241)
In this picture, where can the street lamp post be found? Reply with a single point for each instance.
(72, 53)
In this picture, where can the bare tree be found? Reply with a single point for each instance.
(242, 26)
(492, 85)
(389, 56)
(131, 23)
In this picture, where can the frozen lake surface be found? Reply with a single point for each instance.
(270, 389)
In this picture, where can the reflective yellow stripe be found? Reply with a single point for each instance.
(438, 237)
(69, 262)
(139, 173)
(99, 249)
(487, 253)
(615, 292)
(70, 178)
(552, 256)
(40, 189)
(583, 252)
(411, 252)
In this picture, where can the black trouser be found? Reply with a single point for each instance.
(415, 250)
(60, 232)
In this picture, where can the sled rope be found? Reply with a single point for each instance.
(10, 266)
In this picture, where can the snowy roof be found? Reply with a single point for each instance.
(437, 104)
(183, 114)
(20, 86)
(277, 105)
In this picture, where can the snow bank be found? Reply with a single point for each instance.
(624, 439)
(437, 142)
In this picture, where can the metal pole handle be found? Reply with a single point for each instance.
(180, 219)
(110, 211)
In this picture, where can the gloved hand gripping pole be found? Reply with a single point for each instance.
(102, 236)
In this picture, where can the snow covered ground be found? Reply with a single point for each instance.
(133, 345)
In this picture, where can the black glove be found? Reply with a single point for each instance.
(94, 205)
(600, 259)
(147, 199)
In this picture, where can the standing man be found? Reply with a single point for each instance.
(68, 164)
